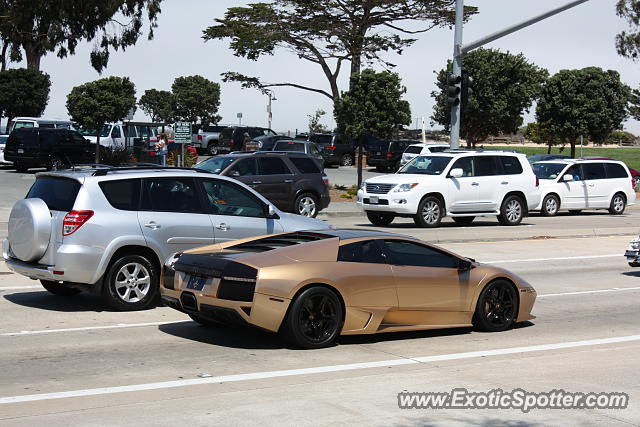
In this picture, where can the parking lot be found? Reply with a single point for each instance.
(71, 360)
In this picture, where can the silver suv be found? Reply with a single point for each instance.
(109, 230)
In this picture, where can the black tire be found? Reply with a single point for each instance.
(511, 211)
(59, 289)
(464, 220)
(497, 307)
(205, 322)
(306, 204)
(381, 219)
(634, 264)
(550, 205)
(430, 212)
(302, 327)
(56, 163)
(618, 204)
(575, 211)
(346, 160)
(20, 167)
(212, 150)
(119, 286)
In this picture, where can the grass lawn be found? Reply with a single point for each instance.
(630, 155)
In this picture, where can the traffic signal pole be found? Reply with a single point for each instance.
(459, 51)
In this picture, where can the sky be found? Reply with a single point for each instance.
(581, 37)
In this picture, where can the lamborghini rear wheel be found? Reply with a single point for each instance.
(314, 319)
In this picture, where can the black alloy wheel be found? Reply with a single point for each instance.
(497, 307)
(314, 319)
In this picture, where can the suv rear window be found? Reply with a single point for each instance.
(58, 193)
(305, 165)
(413, 150)
(289, 146)
(511, 165)
(122, 194)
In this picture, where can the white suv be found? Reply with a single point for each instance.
(459, 184)
(575, 185)
(414, 150)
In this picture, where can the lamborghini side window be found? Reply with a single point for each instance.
(366, 251)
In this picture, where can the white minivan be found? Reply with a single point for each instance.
(115, 134)
(575, 185)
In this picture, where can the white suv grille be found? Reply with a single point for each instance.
(379, 188)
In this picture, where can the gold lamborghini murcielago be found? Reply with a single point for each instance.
(312, 286)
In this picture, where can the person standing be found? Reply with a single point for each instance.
(161, 148)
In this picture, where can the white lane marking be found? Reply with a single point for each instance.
(564, 258)
(14, 288)
(597, 291)
(88, 328)
(315, 370)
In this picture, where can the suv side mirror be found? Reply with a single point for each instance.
(566, 177)
(455, 173)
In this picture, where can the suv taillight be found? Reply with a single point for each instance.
(537, 181)
(330, 147)
(74, 220)
(325, 179)
(199, 137)
(389, 155)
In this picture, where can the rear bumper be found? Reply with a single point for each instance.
(325, 200)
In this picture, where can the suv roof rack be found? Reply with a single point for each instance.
(480, 150)
(109, 169)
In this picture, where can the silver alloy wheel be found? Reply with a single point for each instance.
(347, 160)
(513, 211)
(551, 205)
(132, 282)
(431, 212)
(306, 206)
(618, 203)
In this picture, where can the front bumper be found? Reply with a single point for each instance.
(398, 203)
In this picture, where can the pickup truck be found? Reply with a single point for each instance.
(207, 138)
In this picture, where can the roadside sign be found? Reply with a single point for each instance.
(183, 132)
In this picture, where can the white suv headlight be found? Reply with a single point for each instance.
(403, 188)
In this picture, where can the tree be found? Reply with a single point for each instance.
(196, 99)
(42, 26)
(314, 122)
(537, 133)
(634, 104)
(96, 103)
(23, 92)
(504, 86)
(327, 33)
(373, 106)
(157, 104)
(628, 43)
(589, 102)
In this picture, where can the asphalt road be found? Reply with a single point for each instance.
(71, 361)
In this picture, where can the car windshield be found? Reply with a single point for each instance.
(548, 170)
(215, 164)
(106, 130)
(426, 165)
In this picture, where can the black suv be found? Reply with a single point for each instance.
(51, 148)
(334, 149)
(291, 181)
(233, 138)
(385, 155)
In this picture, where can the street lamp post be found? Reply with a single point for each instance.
(269, 114)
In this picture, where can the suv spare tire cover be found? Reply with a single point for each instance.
(29, 229)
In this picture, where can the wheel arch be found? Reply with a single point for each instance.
(481, 288)
(438, 196)
(521, 196)
(130, 250)
(313, 285)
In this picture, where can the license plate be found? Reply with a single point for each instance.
(20, 151)
(196, 282)
(378, 153)
(373, 200)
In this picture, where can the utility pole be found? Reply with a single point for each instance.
(269, 114)
(459, 50)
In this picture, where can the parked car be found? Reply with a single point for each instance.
(207, 138)
(575, 185)
(119, 134)
(342, 282)
(266, 142)
(110, 230)
(3, 142)
(386, 155)
(41, 122)
(459, 184)
(634, 173)
(543, 157)
(45, 147)
(292, 181)
(234, 138)
(335, 149)
(633, 253)
(414, 150)
(307, 147)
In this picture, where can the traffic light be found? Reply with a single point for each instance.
(454, 87)
(467, 90)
